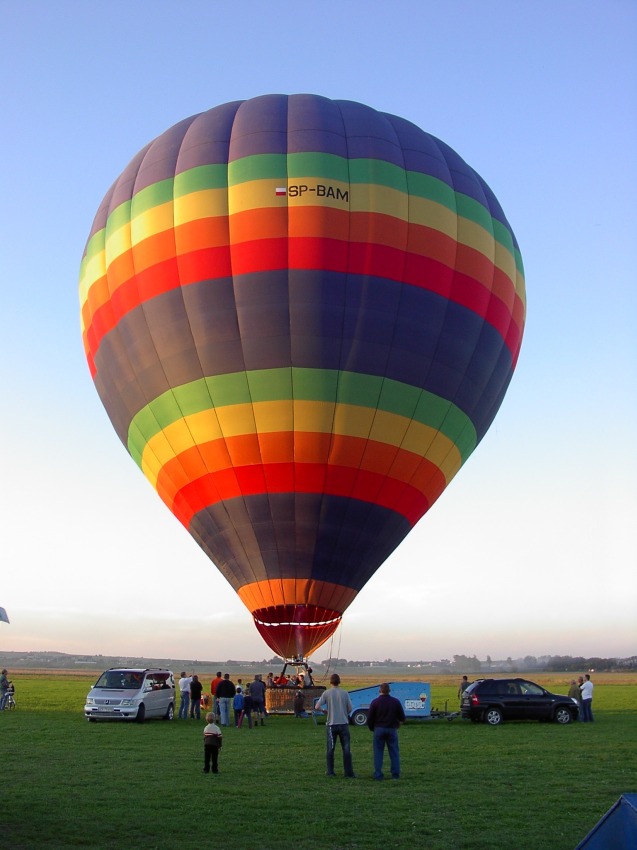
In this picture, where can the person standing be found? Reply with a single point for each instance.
(196, 689)
(225, 694)
(247, 710)
(5, 685)
(256, 689)
(385, 715)
(299, 704)
(184, 694)
(212, 741)
(338, 707)
(580, 682)
(213, 690)
(237, 705)
(462, 687)
(586, 691)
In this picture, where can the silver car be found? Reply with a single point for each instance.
(125, 693)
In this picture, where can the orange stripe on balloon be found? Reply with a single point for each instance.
(256, 224)
(308, 450)
(295, 591)
(305, 222)
(202, 233)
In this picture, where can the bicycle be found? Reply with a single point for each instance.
(9, 700)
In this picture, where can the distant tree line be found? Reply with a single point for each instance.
(472, 664)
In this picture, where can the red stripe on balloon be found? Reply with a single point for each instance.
(305, 253)
(299, 478)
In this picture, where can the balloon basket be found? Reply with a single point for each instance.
(280, 697)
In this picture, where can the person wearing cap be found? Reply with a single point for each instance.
(338, 707)
(385, 715)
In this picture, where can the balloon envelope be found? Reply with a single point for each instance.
(301, 316)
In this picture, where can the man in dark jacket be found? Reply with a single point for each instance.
(196, 689)
(385, 715)
(225, 694)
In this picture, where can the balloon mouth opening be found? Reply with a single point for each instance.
(294, 631)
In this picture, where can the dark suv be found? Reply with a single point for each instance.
(495, 700)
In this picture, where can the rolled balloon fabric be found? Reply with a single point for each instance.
(301, 316)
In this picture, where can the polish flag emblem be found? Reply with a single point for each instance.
(280, 190)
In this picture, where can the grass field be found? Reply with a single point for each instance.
(67, 783)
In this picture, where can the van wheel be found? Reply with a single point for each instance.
(170, 713)
(141, 714)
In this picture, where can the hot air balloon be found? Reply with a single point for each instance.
(301, 316)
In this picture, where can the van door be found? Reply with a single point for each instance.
(158, 693)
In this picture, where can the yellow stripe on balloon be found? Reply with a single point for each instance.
(207, 203)
(307, 417)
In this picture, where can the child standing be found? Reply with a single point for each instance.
(237, 705)
(212, 741)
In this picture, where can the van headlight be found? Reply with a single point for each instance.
(128, 702)
(90, 701)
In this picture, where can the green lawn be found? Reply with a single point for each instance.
(68, 783)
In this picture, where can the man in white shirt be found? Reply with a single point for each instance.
(586, 706)
(338, 706)
(184, 692)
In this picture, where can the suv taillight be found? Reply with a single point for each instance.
(474, 699)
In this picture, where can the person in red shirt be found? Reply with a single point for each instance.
(213, 690)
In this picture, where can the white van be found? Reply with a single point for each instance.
(131, 694)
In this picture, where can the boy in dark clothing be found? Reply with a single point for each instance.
(212, 741)
(247, 710)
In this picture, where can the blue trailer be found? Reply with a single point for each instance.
(414, 696)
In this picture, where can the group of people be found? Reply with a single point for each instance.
(302, 680)
(582, 691)
(384, 717)
(225, 697)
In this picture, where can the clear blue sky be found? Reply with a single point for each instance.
(533, 547)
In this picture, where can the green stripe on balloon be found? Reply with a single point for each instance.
(280, 166)
(319, 385)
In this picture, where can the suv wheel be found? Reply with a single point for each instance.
(170, 713)
(493, 716)
(563, 715)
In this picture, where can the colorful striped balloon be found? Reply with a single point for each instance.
(301, 316)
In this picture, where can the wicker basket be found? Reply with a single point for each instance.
(281, 700)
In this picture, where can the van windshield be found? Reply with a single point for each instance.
(120, 680)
